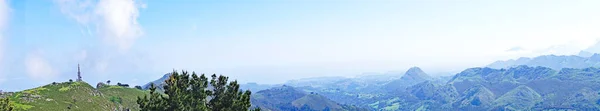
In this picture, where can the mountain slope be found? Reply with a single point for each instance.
(539, 88)
(287, 98)
(521, 97)
(316, 102)
(430, 91)
(254, 87)
(415, 74)
(476, 98)
(516, 88)
(499, 81)
(158, 83)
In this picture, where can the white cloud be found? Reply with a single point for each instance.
(119, 22)
(77, 9)
(114, 20)
(38, 68)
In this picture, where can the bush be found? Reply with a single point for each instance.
(138, 87)
(115, 99)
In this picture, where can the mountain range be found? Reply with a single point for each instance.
(583, 60)
(546, 82)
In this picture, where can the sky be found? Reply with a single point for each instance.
(272, 41)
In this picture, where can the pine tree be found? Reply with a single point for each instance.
(182, 93)
(153, 103)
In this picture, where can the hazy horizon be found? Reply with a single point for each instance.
(270, 42)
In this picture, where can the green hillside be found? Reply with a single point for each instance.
(128, 96)
(317, 102)
(521, 97)
(77, 96)
(287, 98)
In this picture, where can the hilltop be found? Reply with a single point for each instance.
(412, 76)
(78, 96)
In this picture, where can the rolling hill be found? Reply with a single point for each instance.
(287, 98)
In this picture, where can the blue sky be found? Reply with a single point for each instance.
(268, 41)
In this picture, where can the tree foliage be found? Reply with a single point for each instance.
(5, 105)
(138, 87)
(183, 92)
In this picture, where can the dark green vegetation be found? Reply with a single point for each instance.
(182, 93)
(5, 105)
(78, 96)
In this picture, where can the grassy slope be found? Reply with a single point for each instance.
(80, 95)
(127, 95)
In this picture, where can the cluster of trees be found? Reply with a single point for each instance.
(5, 105)
(139, 87)
(185, 93)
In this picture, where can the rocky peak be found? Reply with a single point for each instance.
(415, 73)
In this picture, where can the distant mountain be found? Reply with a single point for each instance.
(585, 60)
(287, 98)
(585, 54)
(524, 87)
(255, 87)
(517, 88)
(158, 83)
(412, 76)
(415, 74)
